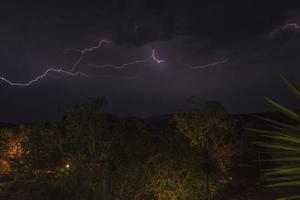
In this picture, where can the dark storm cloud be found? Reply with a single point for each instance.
(143, 21)
(233, 20)
(33, 37)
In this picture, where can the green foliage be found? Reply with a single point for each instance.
(85, 138)
(86, 132)
(90, 154)
(97, 155)
(282, 141)
(42, 147)
(170, 168)
(212, 134)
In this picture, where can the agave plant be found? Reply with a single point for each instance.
(282, 141)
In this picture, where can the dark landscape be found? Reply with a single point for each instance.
(137, 158)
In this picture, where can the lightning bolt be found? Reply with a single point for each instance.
(287, 27)
(84, 51)
(59, 70)
(90, 49)
(43, 76)
(209, 65)
(122, 66)
(156, 59)
(72, 73)
(290, 25)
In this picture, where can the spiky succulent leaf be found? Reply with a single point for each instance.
(283, 140)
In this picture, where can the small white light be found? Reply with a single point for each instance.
(67, 166)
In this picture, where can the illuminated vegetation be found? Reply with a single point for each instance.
(91, 154)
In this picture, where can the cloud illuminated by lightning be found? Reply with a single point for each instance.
(209, 64)
(43, 76)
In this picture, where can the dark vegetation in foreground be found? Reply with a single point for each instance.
(91, 154)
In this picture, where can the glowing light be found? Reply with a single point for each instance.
(208, 65)
(67, 166)
(42, 76)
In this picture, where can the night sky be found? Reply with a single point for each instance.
(246, 38)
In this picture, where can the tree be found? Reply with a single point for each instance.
(104, 154)
(211, 132)
(85, 136)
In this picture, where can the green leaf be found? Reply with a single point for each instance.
(296, 128)
(284, 110)
(292, 87)
(284, 171)
(288, 159)
(284, 138)
(284, 178)
(286, 183)
(278, 146)
(294, 197)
